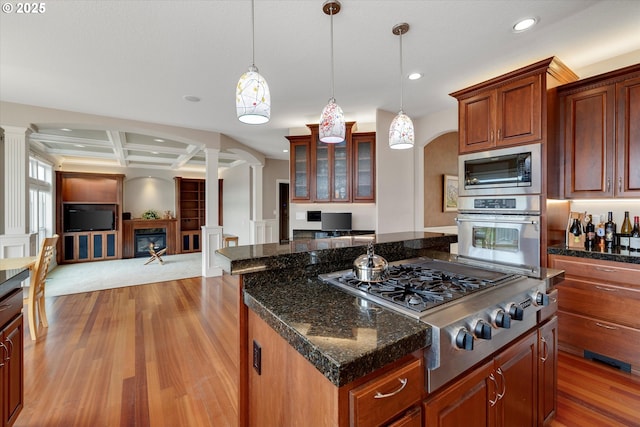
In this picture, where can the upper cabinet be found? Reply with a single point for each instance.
(600, 135)
(326, 173)
(510, 109)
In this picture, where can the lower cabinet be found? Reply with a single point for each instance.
(502, 392)
(598, 308)
(284, 389)
(89, 246)
(547, 370)
(12, 370)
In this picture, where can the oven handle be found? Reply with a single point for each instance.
(512, 221)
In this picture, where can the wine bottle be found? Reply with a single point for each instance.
(600, 232)
(634, 239)
(590, 234)
(625, 232)
(609, 231)
(576, 230)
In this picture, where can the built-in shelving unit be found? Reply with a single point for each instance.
(190, 212)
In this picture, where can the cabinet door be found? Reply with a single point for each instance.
(476, 116)
(364, 163)
(628, 138)
(517, 371)
(340, 172)
(465, 403)
(519, 117)
(547, 370)
(322, 165)
(13, 398)
(300, 168)
(588, 142)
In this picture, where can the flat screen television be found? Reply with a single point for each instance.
(89, 217)
(336, 221)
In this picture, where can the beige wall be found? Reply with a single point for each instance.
(440, 158)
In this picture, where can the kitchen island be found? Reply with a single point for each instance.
(304, 344)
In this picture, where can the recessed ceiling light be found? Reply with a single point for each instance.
(155, 152)
(65, 130)
(415, 76)
(285, 151)
(158, 140)
(524, 24)
(79, 145)
(191, 98)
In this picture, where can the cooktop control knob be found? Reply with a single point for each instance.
(464, 340)
(502, 319)
(516, 312)
(482, 330)
(542, 299)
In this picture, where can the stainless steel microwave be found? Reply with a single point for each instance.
(513, 170)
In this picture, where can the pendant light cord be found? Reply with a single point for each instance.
(401, 79)
(253, 31)
(332, 66)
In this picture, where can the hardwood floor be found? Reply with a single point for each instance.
(151, 355)
(165, 355)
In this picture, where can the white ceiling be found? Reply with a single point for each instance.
(136, 60)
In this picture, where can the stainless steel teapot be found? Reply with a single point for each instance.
(370, 267)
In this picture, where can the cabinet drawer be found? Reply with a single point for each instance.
(616, 304)
(381, 399)
(609, 339)
(10, 306)
(607, 271)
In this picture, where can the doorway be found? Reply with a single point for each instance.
(283, 212)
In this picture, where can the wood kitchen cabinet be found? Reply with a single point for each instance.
(502, 392)
(598, 306)
(510, 109)
(600, 135)
(327, 173)
(547, 370)
(12, 370)
(286, 389)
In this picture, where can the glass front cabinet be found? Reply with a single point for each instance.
(326, 173)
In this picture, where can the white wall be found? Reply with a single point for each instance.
(236, 202)
(395, 181)
(144, 193)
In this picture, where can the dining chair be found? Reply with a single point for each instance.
(35, 293)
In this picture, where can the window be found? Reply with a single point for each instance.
(40, 198)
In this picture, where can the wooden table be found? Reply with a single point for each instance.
(16, 263)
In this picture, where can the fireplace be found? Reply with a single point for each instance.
(143, 237)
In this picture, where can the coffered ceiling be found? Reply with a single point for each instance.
(138, 60)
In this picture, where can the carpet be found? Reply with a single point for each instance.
(94, 276)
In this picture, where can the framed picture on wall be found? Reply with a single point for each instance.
(450, 193)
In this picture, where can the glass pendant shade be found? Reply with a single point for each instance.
(332, 125)
(401, 132)
(253, 100)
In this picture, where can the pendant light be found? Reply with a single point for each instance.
(253, 100)
(332, 126)
(401, 130)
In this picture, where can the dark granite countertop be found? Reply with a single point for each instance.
(302, 253)
(329, 327)
(611, 255)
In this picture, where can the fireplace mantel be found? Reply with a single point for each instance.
(130, 225)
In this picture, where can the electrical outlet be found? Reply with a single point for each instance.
(257, 357)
